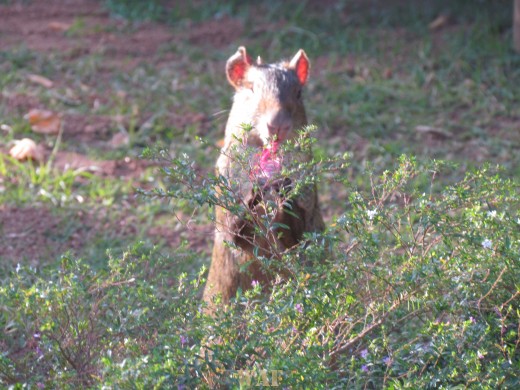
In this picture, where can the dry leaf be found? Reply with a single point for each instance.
(439, 22)
(6, 128)
(37, 79)
(119, 139)
(119, 119)
(26, 149)
(59, 26)
(44, 121)
(434, 131)
(387, 73)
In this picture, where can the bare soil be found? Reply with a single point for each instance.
(32, 233)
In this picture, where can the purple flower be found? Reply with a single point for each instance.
(364, 368)
(181, 386)
(364, 353)
(184, 340)
(387, 360)
(40, 385)
(299, 308)
(487, 244)
(254, 283)
(472, 319)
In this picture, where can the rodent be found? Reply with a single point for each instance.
(268, 98)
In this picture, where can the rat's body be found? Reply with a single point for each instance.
(268, 98)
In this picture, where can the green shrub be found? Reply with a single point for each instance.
(414, 285)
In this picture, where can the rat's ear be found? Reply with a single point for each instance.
(301, 65)
(237, 66)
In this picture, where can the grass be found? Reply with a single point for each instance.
(460, 80)
(378, 74)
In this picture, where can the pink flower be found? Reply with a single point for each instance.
(270, 163)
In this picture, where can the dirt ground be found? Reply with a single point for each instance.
(34, 232)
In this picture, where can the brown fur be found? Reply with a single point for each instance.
(267, 97)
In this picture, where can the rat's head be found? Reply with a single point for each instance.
(271, 94)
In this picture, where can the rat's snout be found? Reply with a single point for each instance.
(278, 125)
